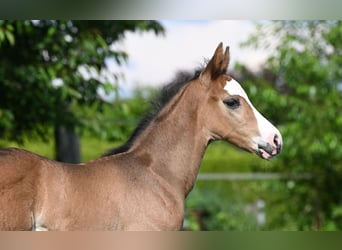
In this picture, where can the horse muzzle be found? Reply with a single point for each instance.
(269, 148)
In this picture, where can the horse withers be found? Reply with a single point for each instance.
(141, 185)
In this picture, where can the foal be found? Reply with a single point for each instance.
(143, 184)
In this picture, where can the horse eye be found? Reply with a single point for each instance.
(232, 102)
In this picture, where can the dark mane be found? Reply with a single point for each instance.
(165, 95)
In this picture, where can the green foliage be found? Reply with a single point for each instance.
(118, 119)
(50, 72)
(303, 95)
(102, 131)
(222, 204)
(210, 208)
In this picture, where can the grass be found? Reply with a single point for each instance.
(223, 157)
(91, 147)
(39, 147)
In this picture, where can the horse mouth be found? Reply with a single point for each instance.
(267, 151)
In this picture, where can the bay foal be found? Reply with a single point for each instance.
(143, 184)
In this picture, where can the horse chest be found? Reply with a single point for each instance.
(154, 208)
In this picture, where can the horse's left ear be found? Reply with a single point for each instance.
(217, 65)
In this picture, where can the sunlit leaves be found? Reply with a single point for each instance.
(34, 54)
(6, 34)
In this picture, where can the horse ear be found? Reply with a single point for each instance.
(216, 66)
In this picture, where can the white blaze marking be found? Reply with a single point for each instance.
(266, 129)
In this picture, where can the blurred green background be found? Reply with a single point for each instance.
(45, 100)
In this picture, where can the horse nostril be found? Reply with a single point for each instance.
(275, 140)
(276, 143)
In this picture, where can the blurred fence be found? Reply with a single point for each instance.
(253, 176)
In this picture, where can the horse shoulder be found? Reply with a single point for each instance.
(18, 165)
(149, 201)
(19, 175)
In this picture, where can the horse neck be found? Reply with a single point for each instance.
(175, 142)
